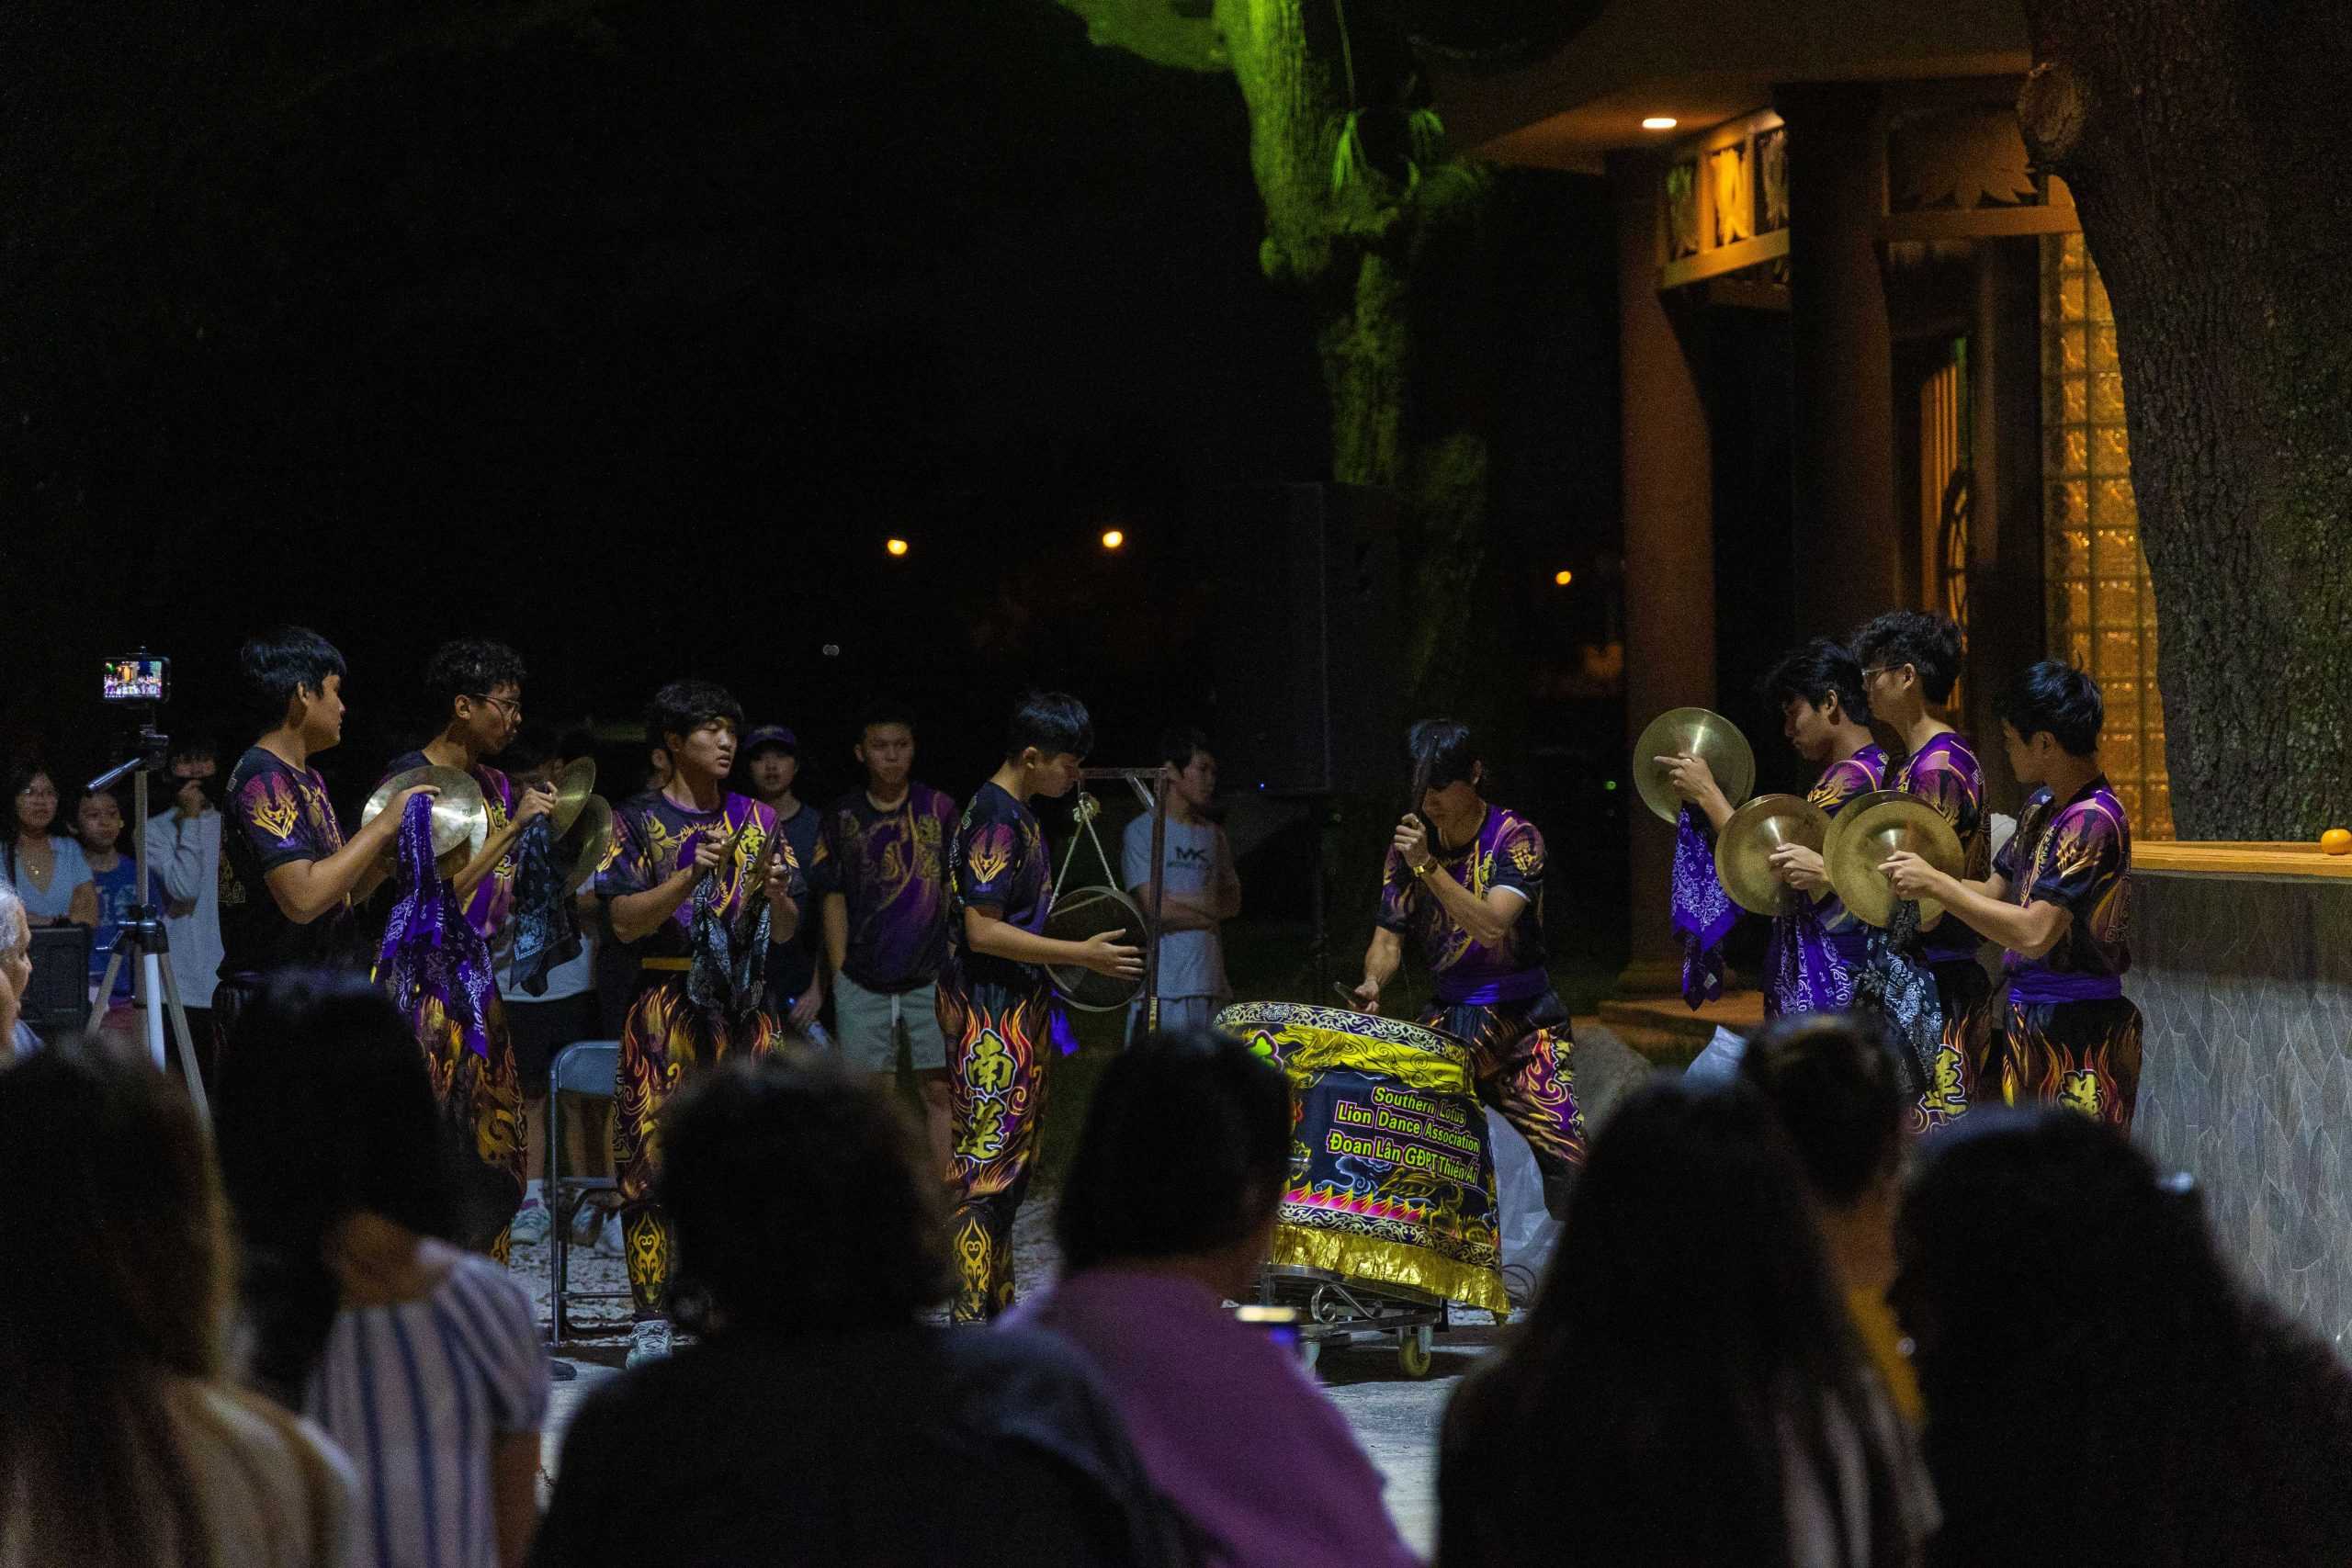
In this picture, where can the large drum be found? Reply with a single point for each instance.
(1392, 1181)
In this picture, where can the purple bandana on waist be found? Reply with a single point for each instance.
(1808, 969)
(2038, 986)
(1525, 986)
(431, 950)
(1704, 912)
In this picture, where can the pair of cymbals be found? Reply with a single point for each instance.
(1697, 732)
(591, 838)
(1868, 829)
(574, 788)
(460, 819)
(1745, 848)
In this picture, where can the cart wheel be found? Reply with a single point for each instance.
(1413, 1351)
(1310, 1352)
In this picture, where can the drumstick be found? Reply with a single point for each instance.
(1424, 761)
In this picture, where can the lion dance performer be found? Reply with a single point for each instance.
(478, 686)
(1472, 898)
(701, 884)
(996, 1006)
(2056, 901)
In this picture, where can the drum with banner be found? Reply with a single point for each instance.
(1392, 1181)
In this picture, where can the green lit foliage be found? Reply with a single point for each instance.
(1380, 230)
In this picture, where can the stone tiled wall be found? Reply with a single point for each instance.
(2245, 983)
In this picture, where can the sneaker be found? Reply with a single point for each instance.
(608, 1240)
(648, 1341)
(587, 1223)
(530, 1228)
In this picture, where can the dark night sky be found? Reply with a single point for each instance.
(627, 331)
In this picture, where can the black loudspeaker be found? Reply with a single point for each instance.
(1310, 660)
(58, 1000)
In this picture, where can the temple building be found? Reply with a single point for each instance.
(1867, 361)
(1836, 260)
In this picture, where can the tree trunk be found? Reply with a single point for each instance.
(1392, 266)
(2197, 139)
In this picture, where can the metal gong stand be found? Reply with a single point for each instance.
(1150, 786)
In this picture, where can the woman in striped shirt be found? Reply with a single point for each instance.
(424, 1361)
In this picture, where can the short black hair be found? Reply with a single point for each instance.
(683, 706)
(1054, 722)
(273, 667)
(1186, 1149)
(1181, 744)
(471, 667)
(2054, 697)
(882, 710)
(1831, 1081)
(863, 1238)
(1929, 643)
(1447, 746)
(194, 747)
(1811, 672)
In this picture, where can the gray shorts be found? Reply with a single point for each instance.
(867, 1024)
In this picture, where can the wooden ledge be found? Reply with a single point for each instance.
(2239, 860)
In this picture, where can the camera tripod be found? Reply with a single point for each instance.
(141, 937)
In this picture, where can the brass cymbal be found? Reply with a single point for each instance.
(1700, 732)
(1871, 827)
(459, 818)
(592, 836)
(573, 786)
(1744, 849)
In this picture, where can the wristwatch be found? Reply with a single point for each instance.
(1425, 868)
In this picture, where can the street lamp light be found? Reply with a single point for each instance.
(896, 546)
(1113, 538)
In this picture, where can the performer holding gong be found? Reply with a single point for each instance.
(996, 1004)
(1471, 896)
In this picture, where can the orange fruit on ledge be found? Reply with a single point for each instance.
(2337, 841)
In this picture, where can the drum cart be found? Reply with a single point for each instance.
(1335, 1310)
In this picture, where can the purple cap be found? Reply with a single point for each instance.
(774, 735)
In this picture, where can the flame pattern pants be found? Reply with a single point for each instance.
(481, 1121)
(665, 1039)
(1958, 1077)
(2084, 1055)
(1523, 1057)
(998, 1042)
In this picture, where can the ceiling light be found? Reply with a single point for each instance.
(1660, 122)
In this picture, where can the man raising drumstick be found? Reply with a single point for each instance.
(1473, 902)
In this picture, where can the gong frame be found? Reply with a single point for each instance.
(1151, 785)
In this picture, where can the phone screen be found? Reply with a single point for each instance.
(138, 678)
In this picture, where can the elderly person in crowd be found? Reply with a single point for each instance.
(15, 972)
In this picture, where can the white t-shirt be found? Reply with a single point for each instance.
(1194, 856)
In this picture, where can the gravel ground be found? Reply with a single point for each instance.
(1396, 1418)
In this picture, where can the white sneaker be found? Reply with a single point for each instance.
(529, 1226)
(608, 1240)
(587, 1222)
(648, 1341)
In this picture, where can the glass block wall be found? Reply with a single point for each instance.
(2102, 611)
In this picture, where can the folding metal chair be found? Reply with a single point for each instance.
(581, 1070)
